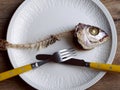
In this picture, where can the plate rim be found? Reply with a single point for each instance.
(110, 59)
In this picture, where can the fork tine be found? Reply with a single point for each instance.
(67, 58)
(65, 51)
(66, 54)
(70, 51)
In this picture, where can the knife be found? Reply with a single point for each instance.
(81, 62)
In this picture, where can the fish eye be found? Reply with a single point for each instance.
(94, 31)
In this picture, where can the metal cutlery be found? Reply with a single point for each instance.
(81, 62)
(64, 54)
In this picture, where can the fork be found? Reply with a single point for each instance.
(64, 55)
(67, 58)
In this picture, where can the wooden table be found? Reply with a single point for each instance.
(111, 81)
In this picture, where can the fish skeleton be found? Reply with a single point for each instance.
(86, 36)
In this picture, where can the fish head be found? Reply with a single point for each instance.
(89, 36)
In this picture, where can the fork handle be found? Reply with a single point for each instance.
(14, 72)
(105, 67)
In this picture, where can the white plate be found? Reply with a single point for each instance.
(36, 19)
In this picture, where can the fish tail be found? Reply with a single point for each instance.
(19, 46)
(38, 45)
(5, 44)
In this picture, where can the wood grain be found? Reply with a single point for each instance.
(111, 81)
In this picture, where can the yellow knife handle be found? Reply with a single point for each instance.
(14, 72)
(105, 67)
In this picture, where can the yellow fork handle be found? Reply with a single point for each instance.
(105, 67)
(14, 72)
